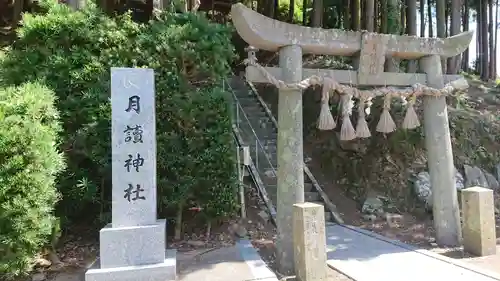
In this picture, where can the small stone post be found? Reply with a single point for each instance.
(478, 213)
(290, 154)
(440, 158)
(309, 240)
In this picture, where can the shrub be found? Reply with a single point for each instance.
(30, 161)
(73, 52)
(63, 49)
(204, 139)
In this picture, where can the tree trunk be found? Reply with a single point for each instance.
(304, 12)
(276, 7)
(429, 16)
(347, 12)
(496, 41)
(383, 20)
(422, 18)
(355, 15)
(317, 13)
(441, 25)
(491, 40)
(362, 19)
(402, 21)
(393, 27)
(291, 11)
(178, 221)
(453, 63)
(370, 15)
(261, 6)
(411, 24)
(478, 64)
(271, 4)
(17, 12)
(484, 39)
(465, 24)
(376, 16)
(446, 19)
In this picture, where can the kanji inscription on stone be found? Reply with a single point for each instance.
(133, 147)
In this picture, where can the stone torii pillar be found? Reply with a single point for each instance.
(440, 158)
(292, 41)
(290, 153)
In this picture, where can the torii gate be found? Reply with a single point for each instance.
(292, 41)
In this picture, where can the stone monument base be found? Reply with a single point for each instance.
(132, 245)
(165, 271)
(134, 253)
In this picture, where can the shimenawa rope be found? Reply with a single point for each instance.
(386, 123)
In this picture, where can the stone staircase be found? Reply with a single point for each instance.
(260, 134)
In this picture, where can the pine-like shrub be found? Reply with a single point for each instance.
(29, 124)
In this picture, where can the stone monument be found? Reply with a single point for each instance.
(133, 245)
(370, 51)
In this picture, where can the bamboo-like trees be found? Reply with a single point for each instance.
(441, 18)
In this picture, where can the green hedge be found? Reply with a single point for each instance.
(72, 52)
(29, 124)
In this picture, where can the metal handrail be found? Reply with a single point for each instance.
(257, 180)
(257, 140)
(329, 204)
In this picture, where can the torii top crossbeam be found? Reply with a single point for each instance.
(268, 34)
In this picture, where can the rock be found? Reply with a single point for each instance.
(491, 180)
(241, 232)
(238, 230)
(370, 217)
(393, 220)
(372, 205)
(423, 190)
(474, 176)
(497, 171)
(41, 262)
(39, 276)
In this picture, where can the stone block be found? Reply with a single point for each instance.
(133, 143)
(478, 226)
(164, 271)
(133, 245)
(309, 242)
(372, 56)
